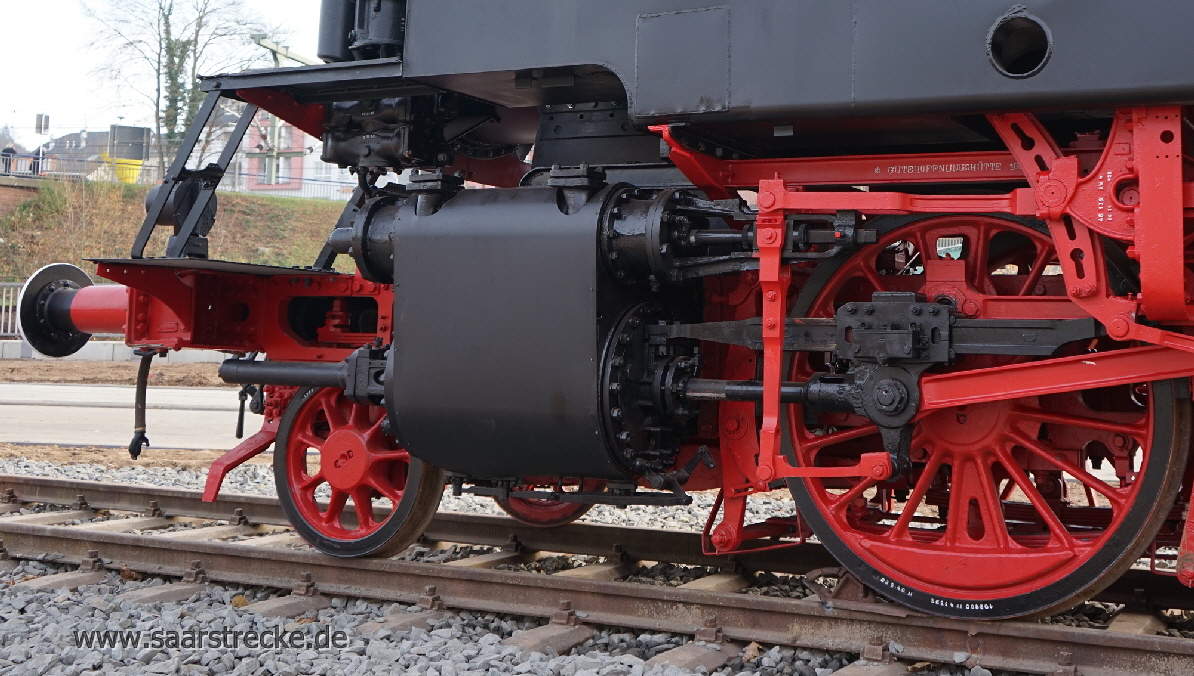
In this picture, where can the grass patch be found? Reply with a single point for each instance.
(67, 222)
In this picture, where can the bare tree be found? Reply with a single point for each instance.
(8, 138)
(158, 49)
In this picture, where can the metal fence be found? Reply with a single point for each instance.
(70, 168)
(8, 308)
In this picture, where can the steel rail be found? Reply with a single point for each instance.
(589, 539)
(1018, 646)
(636, 544)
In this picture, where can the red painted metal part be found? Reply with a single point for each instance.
(1134, 191)
(182, 307)
(305, 116)
(276, 399)
(711, 173)
(356, 461)
(1185, 552)
(502, 172)
(1135, 194)
(547, 513)
(100, 309)
(774, 278)
(972, 541)
(1052, 376)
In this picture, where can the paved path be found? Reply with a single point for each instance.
(177, 417)
(102, 415)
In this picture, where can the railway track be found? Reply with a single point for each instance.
(854, 623)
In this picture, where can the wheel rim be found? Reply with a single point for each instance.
(547, 513)
(334, 450)
(986, 525)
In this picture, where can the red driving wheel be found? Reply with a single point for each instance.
(547, 513)
(1003, 513)
(331, 451)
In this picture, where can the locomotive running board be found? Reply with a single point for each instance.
(1052, 376)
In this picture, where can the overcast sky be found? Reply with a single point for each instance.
(46, 66)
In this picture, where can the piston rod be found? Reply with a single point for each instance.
(291, 373)
(707, 389)
(825, 392)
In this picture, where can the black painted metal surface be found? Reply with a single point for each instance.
(494, 371)
(739, 59)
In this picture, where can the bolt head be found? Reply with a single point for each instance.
(1118, 327)
(890, 396)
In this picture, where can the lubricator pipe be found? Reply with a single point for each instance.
(292, 373)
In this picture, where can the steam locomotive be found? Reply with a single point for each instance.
(907, 263)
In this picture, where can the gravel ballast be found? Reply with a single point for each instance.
(37, 627)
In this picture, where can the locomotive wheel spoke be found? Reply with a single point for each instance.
(843, 501)
(335, 507)
(872, 276)
(916, 499)
(310, 483)
(362, 501)
(972, 512)
(335, 416)
(833, 438)
(359, 418)
(1058, 533)
(1114, 495)
(390, 455)
(358, 462)
(388, 490)
(308, 438)
(1006, 540)
(1038, 415)
(1046, 254)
